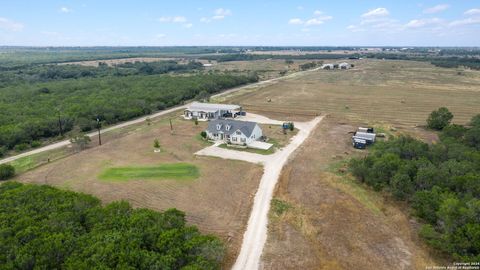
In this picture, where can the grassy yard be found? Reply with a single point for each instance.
(174, 171)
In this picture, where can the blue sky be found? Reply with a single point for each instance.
(302, 23)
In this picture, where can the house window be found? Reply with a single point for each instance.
(238, 132)
(243, 140)
(219, 126)
(234, 139)
(227, 127)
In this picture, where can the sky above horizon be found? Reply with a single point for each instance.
(267, 23)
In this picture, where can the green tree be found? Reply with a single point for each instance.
(156, 144)
(7, 171)
(439, 119)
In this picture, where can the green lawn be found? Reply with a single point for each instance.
(175, 171)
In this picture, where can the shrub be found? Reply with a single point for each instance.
(439, 119)
(156, 143)
(3, 151)
(7, 171)
(35, 144)
(203, 134)
(80, 141)
(21, 147)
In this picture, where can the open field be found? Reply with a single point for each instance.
(397, 93)
(322, 219)
(218, 201)
(267, 69)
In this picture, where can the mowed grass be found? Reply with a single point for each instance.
(172, 171)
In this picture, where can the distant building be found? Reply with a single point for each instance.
(344, 65)
(209, 111)
(234, 131)
(207, 65)
(328, 66)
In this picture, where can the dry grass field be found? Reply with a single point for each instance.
(267, 69)
(323, 219)
(218, 202)
(398, 93)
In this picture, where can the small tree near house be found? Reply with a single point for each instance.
(156, 144)
(196, 121)
(203, 134)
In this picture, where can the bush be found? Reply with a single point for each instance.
(3, 151)
(439, 119)
(21, 147)
(35, 144)
(156, 144)
(7, 171)
(203, 134)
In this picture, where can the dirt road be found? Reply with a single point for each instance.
(256, 234)
(142, 119)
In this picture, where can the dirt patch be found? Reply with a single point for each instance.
(218, 202)
(334, 223)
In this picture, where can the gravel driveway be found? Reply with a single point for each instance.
(256, 234)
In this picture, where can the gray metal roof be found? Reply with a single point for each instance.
(212, 107)
(244, 126)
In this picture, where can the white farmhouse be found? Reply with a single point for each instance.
(209, 111)
(233, 131)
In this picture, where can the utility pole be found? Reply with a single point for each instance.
(98, 128)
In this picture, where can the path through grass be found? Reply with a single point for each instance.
(175, 171)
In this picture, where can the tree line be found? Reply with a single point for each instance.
(31, 112)
(46, 228)
(44, 73)
(440, 181)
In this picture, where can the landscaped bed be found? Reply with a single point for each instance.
(175, 171)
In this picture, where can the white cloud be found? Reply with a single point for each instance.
(174, 19)
(312, 21)
(218, 14)
(159, 36)
(436, 9)
(179, 19)
(473, 11)
(10, 25)
(305, 30)
(188, 25)
(295, 21)
(317, 21)
(65, 10)
(418, 23)
(378, 12)
(221, 13)
(355, 28)
(468, 21)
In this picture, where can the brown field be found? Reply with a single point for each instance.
(267, 69)
(398, 93)
(333, 222)
(218, 202)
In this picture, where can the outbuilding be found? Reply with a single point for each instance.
(209, 111)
